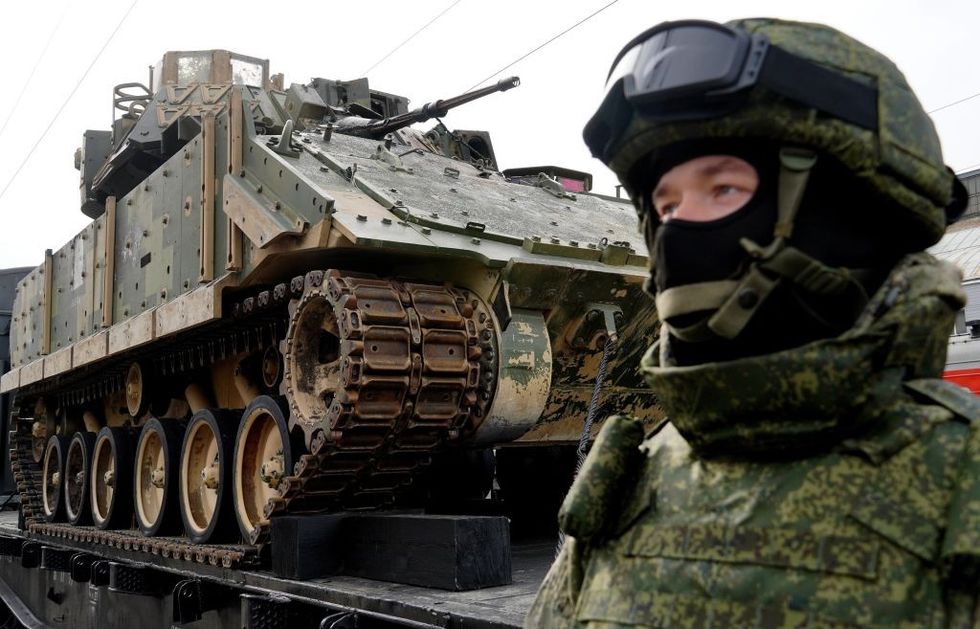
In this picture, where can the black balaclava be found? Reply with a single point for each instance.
(835, 225)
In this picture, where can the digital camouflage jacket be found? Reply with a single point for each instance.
(836, 484)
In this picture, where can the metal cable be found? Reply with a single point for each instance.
(583, 442)
(411, 37)
(37, 63)
(64, 104)
(539, 47)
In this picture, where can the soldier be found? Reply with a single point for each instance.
(814, 469)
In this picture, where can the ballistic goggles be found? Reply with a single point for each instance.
(695, 70)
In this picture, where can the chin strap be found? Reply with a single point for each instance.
(735, 301)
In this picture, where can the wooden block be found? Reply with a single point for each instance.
(449, 552)
(306, 547)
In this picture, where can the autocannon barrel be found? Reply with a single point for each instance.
(378, 128)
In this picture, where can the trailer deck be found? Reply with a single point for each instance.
(48, 595)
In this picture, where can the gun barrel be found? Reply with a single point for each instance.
(431, 110)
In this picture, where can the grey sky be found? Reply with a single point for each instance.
(934, 43)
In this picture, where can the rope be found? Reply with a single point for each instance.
(583, 442)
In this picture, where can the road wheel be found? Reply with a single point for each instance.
(78, 465)
(205, 477)
(263, 457)
(52, 492)
(155, 486)
(112, 468)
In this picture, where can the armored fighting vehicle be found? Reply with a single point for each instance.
(292, 301)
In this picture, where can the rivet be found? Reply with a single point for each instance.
(556, 241)
(475, 241)
(426, 231)
(361, 217)
(748, 298)
(386, 221)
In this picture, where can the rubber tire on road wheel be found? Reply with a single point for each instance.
(119, 508)
(53, 502)
(223, 525)
(85, 443)
(278, 410)
(170, 434)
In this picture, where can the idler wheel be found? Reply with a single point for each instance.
(205, 477)
(155, 486)
(78, 465)
(137, 399)
(52, 490)
(263, 457)
(112, 469)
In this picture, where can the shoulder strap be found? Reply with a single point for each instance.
(964, 404)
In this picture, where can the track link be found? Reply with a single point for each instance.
(417, 365)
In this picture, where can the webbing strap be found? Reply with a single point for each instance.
(688, 298)
(809, 273)
(795, 165)
(738, 309)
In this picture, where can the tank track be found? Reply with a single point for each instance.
(400, 402)
(360, 455)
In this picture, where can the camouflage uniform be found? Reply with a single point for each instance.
(881, 529)
(833, 484)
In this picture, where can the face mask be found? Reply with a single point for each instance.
(687, 252)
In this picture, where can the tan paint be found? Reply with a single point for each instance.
(10, 380)
(196, 398)
(207, 198)
(32, 372)
(91, 349)
(58, 362)
(109, 261)
(235, 158)
(92, 422)
(259, 218)
(188, 310)
(132, 332)
(524, 379)
(47, 303)
(226, 391)
(115, 411)
(246, 388)
(221, 66)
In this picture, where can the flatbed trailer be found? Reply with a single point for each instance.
(46, 581)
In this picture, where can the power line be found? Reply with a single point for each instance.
(411, 37)
(81, 79)
(37, 63)
(531, 52)
(948, 105)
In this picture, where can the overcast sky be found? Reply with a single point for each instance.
(934, 43)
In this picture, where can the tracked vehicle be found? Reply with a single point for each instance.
(291, 301)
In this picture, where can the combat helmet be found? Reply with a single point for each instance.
(802, 84)
(808, 89)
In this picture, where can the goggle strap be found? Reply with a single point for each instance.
(819, 87)
(795, 165)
